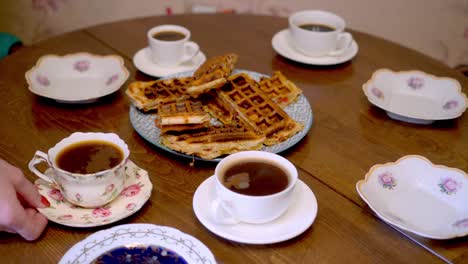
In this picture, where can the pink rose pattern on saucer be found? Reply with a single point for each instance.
(135, 193)
(415, 82)
(81, 65)
(449, 186)
(43, 80)
(387, 180)
(112, 79)
(450, 105)
(377, 92)
(461, 223)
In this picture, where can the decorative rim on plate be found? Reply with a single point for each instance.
(295, 221)
(190, 248)
(80, 65)
(415, 95)
(300, 111)
(136, 192)
(417, 196)
(281, 44)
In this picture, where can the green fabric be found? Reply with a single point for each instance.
(6, 41)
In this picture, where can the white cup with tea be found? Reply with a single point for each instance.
(88, 168)
(318, 33)
(252, 187)
(170, 45)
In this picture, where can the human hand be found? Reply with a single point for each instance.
(19, 199)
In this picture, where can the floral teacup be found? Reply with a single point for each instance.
(85, 190)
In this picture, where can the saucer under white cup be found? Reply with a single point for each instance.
(137, 190)
(281, 43)
(142, 61)
(297, 219)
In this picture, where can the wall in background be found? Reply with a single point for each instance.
(438, 28)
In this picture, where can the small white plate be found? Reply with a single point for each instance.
(415, 96)
(142, 61)
(282, 44)
(297, 219)
(76, 78)
(139, 243)
(136, 192)
(415, 195)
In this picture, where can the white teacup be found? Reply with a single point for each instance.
(170, 45)
(318, 33)
(85, 190)
(231, 207)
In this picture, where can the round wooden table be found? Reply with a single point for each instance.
(348, 136)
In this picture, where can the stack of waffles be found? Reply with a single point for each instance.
(214, 112)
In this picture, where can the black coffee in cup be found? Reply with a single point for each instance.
(317, 27)
(168, 35)
(255, 178)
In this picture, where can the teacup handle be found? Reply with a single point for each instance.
(191, 49)
(39, 157)
(221, 214)
(344, 41)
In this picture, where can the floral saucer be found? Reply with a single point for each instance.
(296, 220)
(415, 195)
(415, 96)
(136, 192)
(139, 243)
(281, 43)
(77, 78)
(142, 61)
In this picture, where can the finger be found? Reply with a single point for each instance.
(26, 222)
(7, 229)
(25, 188)
(33, 226)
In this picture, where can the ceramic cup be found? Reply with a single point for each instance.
(85, 190)
(317, 43)
(231, 207)
(170, 53)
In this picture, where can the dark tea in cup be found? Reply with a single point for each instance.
(255, 177)
(168, 35)
(89, 157)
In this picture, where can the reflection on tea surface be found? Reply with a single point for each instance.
(256, 178)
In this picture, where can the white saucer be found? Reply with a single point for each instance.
(282, 45)
(294, 222)
(136, 192)
(142, 61)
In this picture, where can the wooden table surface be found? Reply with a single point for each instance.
(348, 136)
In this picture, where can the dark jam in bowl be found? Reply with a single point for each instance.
(140, 254)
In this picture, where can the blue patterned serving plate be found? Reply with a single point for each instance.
(139, 243)
(300, 111)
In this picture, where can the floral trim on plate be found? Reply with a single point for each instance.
(415, 96)
(77, 78)
(130, 236)
(136, 192)
(426, 199)
(449, 186)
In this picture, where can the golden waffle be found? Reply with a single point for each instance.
(147, 95)
(251, 104)
(181, 115)
(215, 141)
(281, 90)
(212, 74)
(218, 108)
